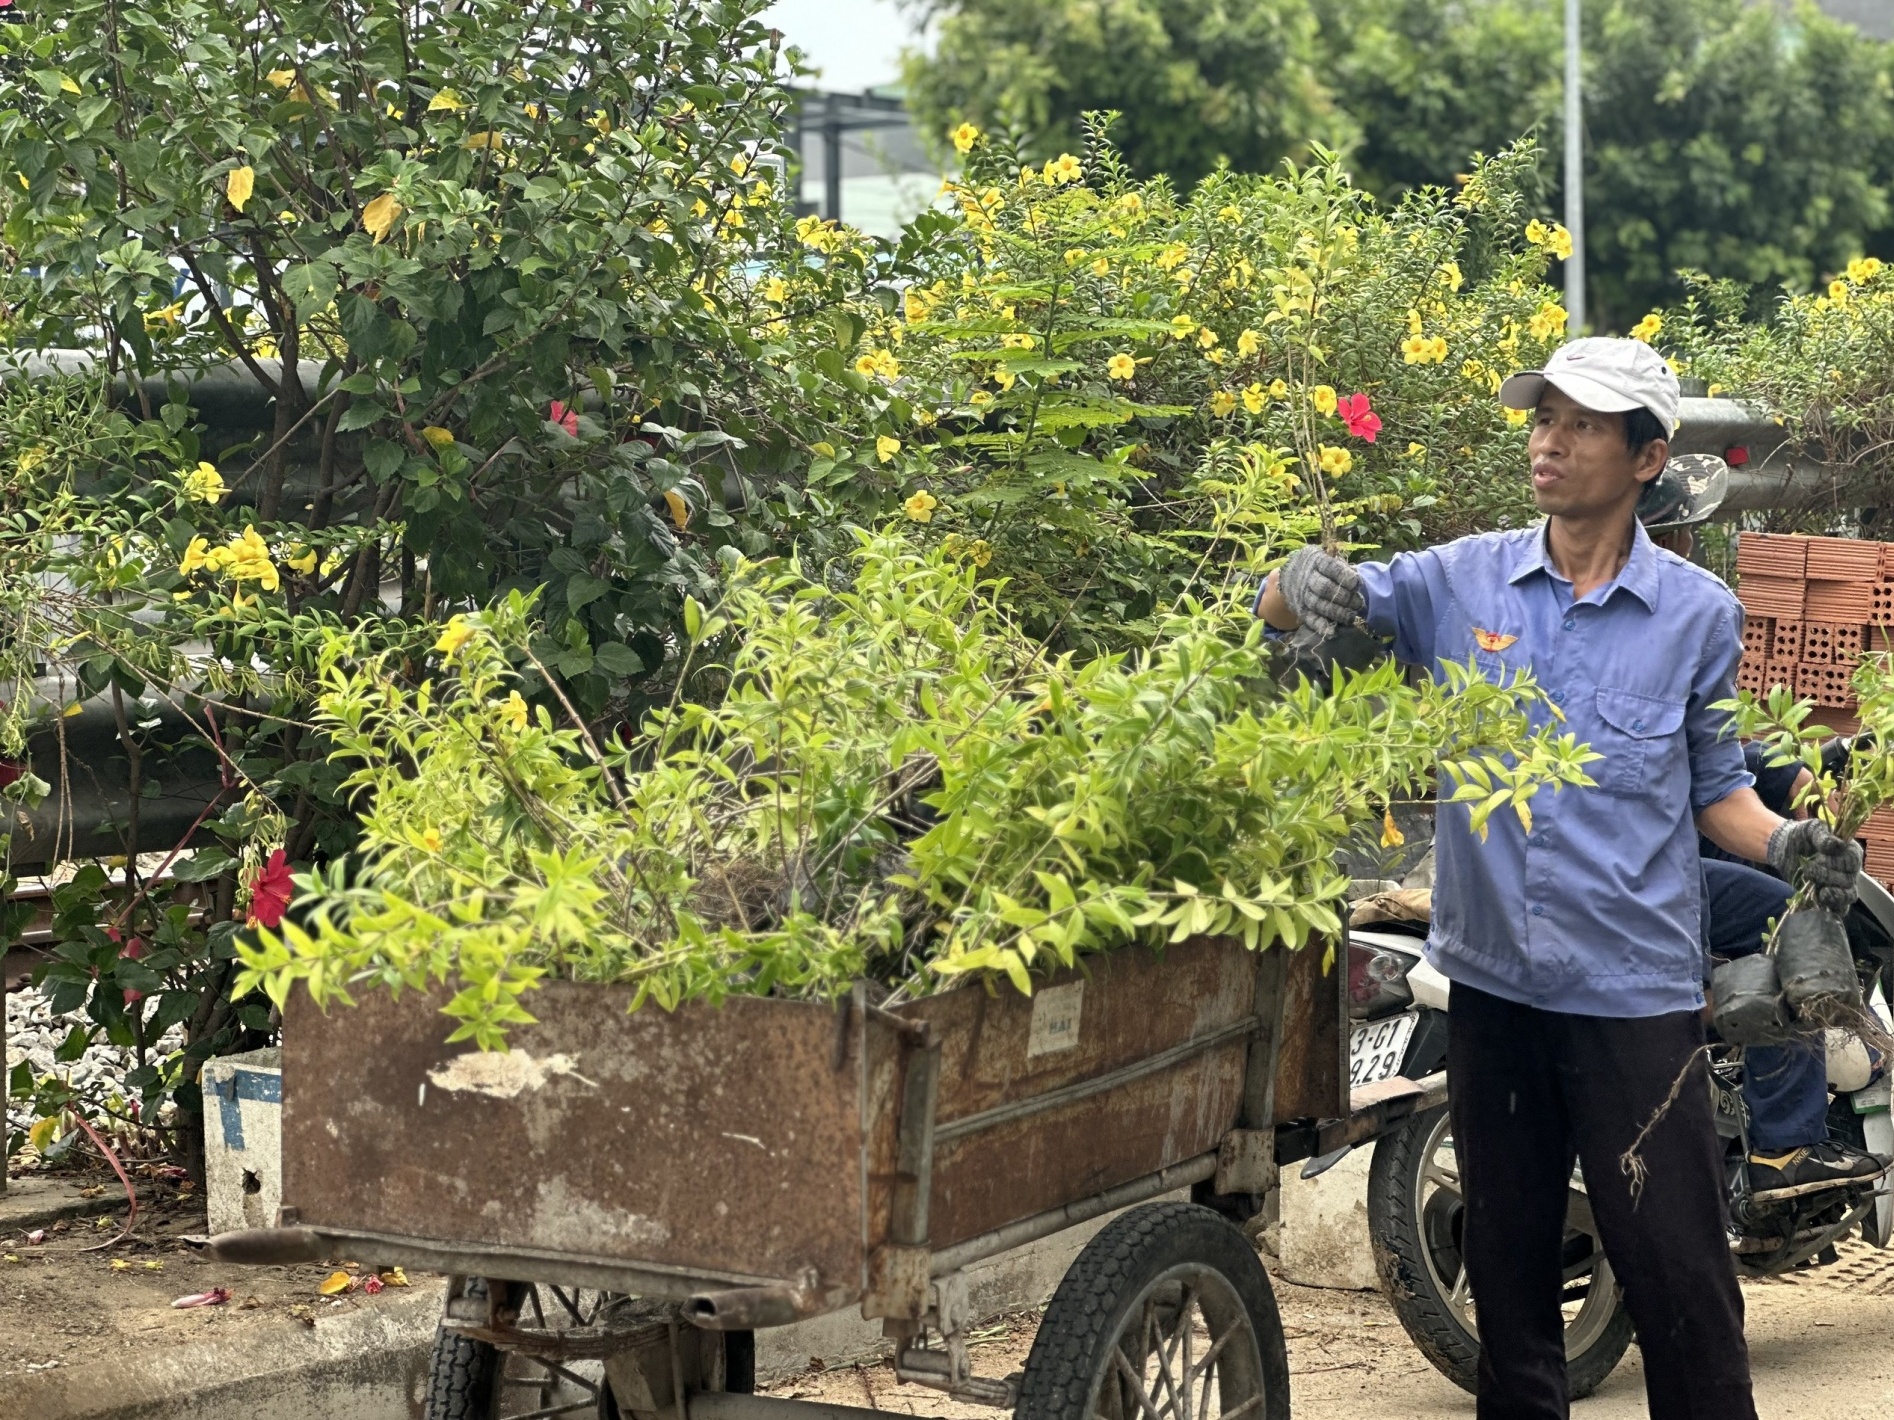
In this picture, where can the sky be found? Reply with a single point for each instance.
(856, 43)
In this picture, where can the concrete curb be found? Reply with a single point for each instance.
(366, 1364)
(28, 1202)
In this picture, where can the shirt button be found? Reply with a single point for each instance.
(1570, 624)
(1538, 909)
(1637, 724)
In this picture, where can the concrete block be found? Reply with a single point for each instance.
(1323, 1239)
(243, 1140)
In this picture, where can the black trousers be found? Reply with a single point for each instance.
(1534, 1089)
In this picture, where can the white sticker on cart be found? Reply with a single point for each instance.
(1055, 1019)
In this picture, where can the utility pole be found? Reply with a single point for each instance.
(1574, 176)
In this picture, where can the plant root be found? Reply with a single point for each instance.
(1631, 1161)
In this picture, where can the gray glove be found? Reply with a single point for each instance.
(1807, 851)
(1322, 590)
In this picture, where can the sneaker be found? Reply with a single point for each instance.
(1816, 1166)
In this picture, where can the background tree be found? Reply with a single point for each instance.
(1748, 141)
(1196, 80)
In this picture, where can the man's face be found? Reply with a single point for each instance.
(1581, 466)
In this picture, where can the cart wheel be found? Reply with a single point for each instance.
(1166, 1315)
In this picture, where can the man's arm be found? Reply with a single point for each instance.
(1739, 823)
(1274, 608)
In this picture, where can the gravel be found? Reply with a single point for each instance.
(33, 1033)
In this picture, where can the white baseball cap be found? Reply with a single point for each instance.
(1605, 373)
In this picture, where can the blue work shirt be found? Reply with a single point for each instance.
(1596, 912)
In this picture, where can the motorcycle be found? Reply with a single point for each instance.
(1398, 1011)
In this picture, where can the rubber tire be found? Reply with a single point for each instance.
(1394, 1228)
(1098, 1290)
(463, 1375)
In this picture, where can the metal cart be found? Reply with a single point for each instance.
(644, 1191)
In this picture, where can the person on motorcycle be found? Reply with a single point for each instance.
(1784, 1086)
(1574, 947)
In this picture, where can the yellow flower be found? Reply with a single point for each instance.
(1416, 451)
(1437, 349)
(1548, 321)
(1248, 343)
(1391, 837)
(920, 506)
(980, 399)
(1230, 216)
(1323, 398)
(1864, 269)
(1223, 404)
(1130, 202)
(1253, 398)
(1121, 366)
(1452, 272)
(979, 552)
(1278, 390)
(1173, 255)
(1516, 417)
(1334, 462)
(196, 555)
(865, 365)
(1003, 377)
(775, 290)
(1206, 337)
(438, 437)
(1649, 328)
(445, 101)
(1102, 267)
(513, 712)
(886, 447)
(965, 137)
(1838, 292)
(1536, 233)
(431, 838)
(1560, 246)
(1019, 340)
(204, 484)
(1416, 349)
(1413, 322)
(1064, 168)
(304, 562)
(457, 633)
(1181, 326)
(915, 305)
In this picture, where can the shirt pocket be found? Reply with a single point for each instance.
(1641, 738)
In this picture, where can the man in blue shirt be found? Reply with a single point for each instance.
(1574, 948)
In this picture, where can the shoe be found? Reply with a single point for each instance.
(1815, 1166)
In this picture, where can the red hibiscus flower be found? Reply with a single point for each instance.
(564, 416)
(270, 892)
(130, 951)
(1362, 421)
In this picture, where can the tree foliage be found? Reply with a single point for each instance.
(1749, 141)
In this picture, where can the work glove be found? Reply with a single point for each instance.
(1807, 851)
(1322, 590)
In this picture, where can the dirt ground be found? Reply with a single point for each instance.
(62, 1306)
(1821, 1345)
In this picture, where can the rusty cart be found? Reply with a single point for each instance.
(621, 1200)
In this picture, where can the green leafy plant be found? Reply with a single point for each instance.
(898, 783)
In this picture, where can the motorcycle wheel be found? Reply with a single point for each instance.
(1415, 1212)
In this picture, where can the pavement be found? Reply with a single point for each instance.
(1821, 1348)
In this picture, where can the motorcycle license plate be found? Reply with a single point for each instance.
(1376, 1048)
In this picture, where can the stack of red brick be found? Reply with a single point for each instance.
(1815, 605)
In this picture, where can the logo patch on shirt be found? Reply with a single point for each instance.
(1492, 640)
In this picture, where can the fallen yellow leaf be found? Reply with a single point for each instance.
(1391, 837)
(119, 1264)
(395, 1277)
(239, 185)
(335, 1282)
(680, 510)
(379, 217)
(154, 1265)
